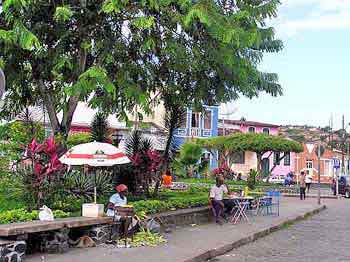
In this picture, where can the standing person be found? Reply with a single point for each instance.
(302, 186)
(216, 196)
(308, 181)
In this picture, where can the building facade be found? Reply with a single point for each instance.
(307, 161)
(200, 125)
(242, 162)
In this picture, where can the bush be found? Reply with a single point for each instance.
(157, 206)
(21, 215)
(251, 180)
(77, 139)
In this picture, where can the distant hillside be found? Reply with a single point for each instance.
(305, 134)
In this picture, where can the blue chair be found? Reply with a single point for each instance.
(273, 202)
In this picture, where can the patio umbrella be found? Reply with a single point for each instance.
(94, 154)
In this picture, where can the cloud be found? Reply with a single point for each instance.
(319, 15)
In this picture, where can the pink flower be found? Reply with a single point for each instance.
(50, 146)
(34, 147)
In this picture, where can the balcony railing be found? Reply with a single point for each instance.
(193, 132)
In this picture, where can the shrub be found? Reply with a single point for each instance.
(251, 180)
(77, 139)
(21, 215)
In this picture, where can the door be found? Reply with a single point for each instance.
(309, 167)
(265, 166)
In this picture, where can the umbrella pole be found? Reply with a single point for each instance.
(95, 189)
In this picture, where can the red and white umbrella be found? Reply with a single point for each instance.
(94, 154)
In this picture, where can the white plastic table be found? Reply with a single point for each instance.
(242, 203)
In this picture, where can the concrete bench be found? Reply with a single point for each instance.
(54, 234)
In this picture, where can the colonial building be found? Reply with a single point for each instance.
(201, 125)
(242, 162)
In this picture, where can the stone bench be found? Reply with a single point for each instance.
(54, 234)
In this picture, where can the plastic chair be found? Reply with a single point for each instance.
(273, 202)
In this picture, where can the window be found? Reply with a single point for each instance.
(195, 120)
(207, 119)
(309, 164)
(266, 131)
(251, 129)
(276, 158)
(238, 158)
(287, 159)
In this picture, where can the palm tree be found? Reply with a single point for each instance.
(99, 128)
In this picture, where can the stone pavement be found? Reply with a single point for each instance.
(188, 242)
(322, 238)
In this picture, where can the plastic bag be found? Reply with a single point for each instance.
(153, 226)
(45, 214)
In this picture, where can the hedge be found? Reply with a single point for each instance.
(22, 215)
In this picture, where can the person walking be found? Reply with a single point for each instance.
(302, 186)
(308, 181)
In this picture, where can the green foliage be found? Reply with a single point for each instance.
(21, 215)
(14, 137)
(81, 186)
(188, 160)
(259, 143)
(63, 13)
(192, 51)
(11, 194)
(77, 139)
(99, 128)
(251, 180)
(190, 153)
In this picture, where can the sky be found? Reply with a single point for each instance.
(313, 68)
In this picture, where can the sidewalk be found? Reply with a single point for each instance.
(190, 242)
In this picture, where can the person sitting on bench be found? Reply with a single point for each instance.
(117, 199)
(216, 198)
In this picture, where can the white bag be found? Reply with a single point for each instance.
(45, 214)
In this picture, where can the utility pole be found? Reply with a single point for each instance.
(343, 145)
(319, 175)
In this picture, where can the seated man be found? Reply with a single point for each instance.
(118, 199)
(216, 198)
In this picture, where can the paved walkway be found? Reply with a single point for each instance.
(185, 243)
(323, 238)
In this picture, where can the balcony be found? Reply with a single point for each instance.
(193, 132)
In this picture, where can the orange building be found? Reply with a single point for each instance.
(307, 161)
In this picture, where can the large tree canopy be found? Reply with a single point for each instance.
(115, 54)
(258, 143)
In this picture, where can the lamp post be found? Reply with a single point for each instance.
(320, 152)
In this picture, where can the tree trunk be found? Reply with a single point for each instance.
(275, 164)
(259, 160)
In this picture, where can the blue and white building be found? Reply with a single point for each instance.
(201, 125)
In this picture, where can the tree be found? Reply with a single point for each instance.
(175, 117)
(261, 144)
(188, 160)
(119, 54)
(99, 128)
